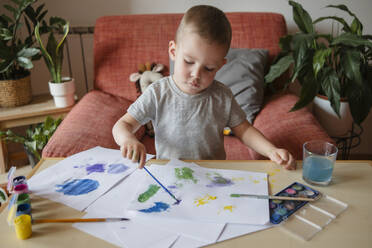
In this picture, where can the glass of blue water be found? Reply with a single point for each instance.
(318, 162)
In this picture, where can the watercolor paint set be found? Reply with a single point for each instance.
(306, 218)
(280, 210)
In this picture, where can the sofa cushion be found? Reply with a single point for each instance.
(236, 150)
(123, 42)
(244, 74)
(286, 129)
(89, 124)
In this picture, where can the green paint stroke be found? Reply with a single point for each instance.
(148, 193)
(185, 173)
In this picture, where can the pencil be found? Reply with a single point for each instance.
(274, 197)
(77, 220)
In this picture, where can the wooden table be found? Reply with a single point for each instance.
(352, 184)
(35, 112)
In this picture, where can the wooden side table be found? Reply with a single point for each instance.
(35, 112)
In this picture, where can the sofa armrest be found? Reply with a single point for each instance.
(289, 130)
(89, 124)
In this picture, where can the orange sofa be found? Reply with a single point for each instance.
(123, 42)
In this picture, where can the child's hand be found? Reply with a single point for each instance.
(283, 157)
(135, 151)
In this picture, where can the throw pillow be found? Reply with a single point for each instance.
(244, 74)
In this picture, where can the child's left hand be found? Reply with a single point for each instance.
(282, 157)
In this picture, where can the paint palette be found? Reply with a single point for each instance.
(281, 209)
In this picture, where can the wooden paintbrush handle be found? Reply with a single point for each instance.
(68, 220)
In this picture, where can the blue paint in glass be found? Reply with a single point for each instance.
(117, 168)
(159, 207)
(95, 168)
(317, 169)
(77, 186)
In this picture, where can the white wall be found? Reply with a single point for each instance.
(85, 12)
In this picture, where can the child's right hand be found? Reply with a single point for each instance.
(134, 150)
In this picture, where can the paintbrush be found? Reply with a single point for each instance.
(177, 201)
(274, 197)
(34, 221)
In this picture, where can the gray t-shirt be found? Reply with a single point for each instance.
(187, 126)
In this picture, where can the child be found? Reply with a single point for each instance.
(189, 109)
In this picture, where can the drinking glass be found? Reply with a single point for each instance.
(318, 162)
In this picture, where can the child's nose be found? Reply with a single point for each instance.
(196, 72)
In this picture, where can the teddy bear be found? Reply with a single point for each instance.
(146, 75)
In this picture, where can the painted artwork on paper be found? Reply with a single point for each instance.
(79, 180)
(204, 194)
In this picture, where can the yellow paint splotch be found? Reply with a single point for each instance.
(253, 180)
(204, 200)
(235, 179)
(271, 173)
(226, 208)
(230, 208)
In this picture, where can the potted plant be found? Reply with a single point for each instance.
(35, 139)
(336, 66)
(62, 88)
(17, 52)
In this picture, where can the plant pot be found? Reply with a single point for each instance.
(63, 93)
(31, 157)
(335, 126)
(15, 92)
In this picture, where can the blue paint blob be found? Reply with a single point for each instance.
(172, 187)
(117, 168)
(159, 207)
(95, 168)
(77, 186)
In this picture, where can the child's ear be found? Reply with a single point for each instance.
(172, 50)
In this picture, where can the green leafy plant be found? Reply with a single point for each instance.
(53, 52)
(36, 137)
(16, 51)
(337, 66)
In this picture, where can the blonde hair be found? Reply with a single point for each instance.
(208, 22)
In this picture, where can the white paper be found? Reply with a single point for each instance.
(230, 231)
(235, 230)
(117, 200)
(80, 179)
(133, 235)
(202, 231)
(98, 229)
(128, 233)
(186, 242)
(205, 195)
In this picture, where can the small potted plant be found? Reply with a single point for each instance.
(336, 66)
(61, 88)
(35, 139)
(17, 51)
